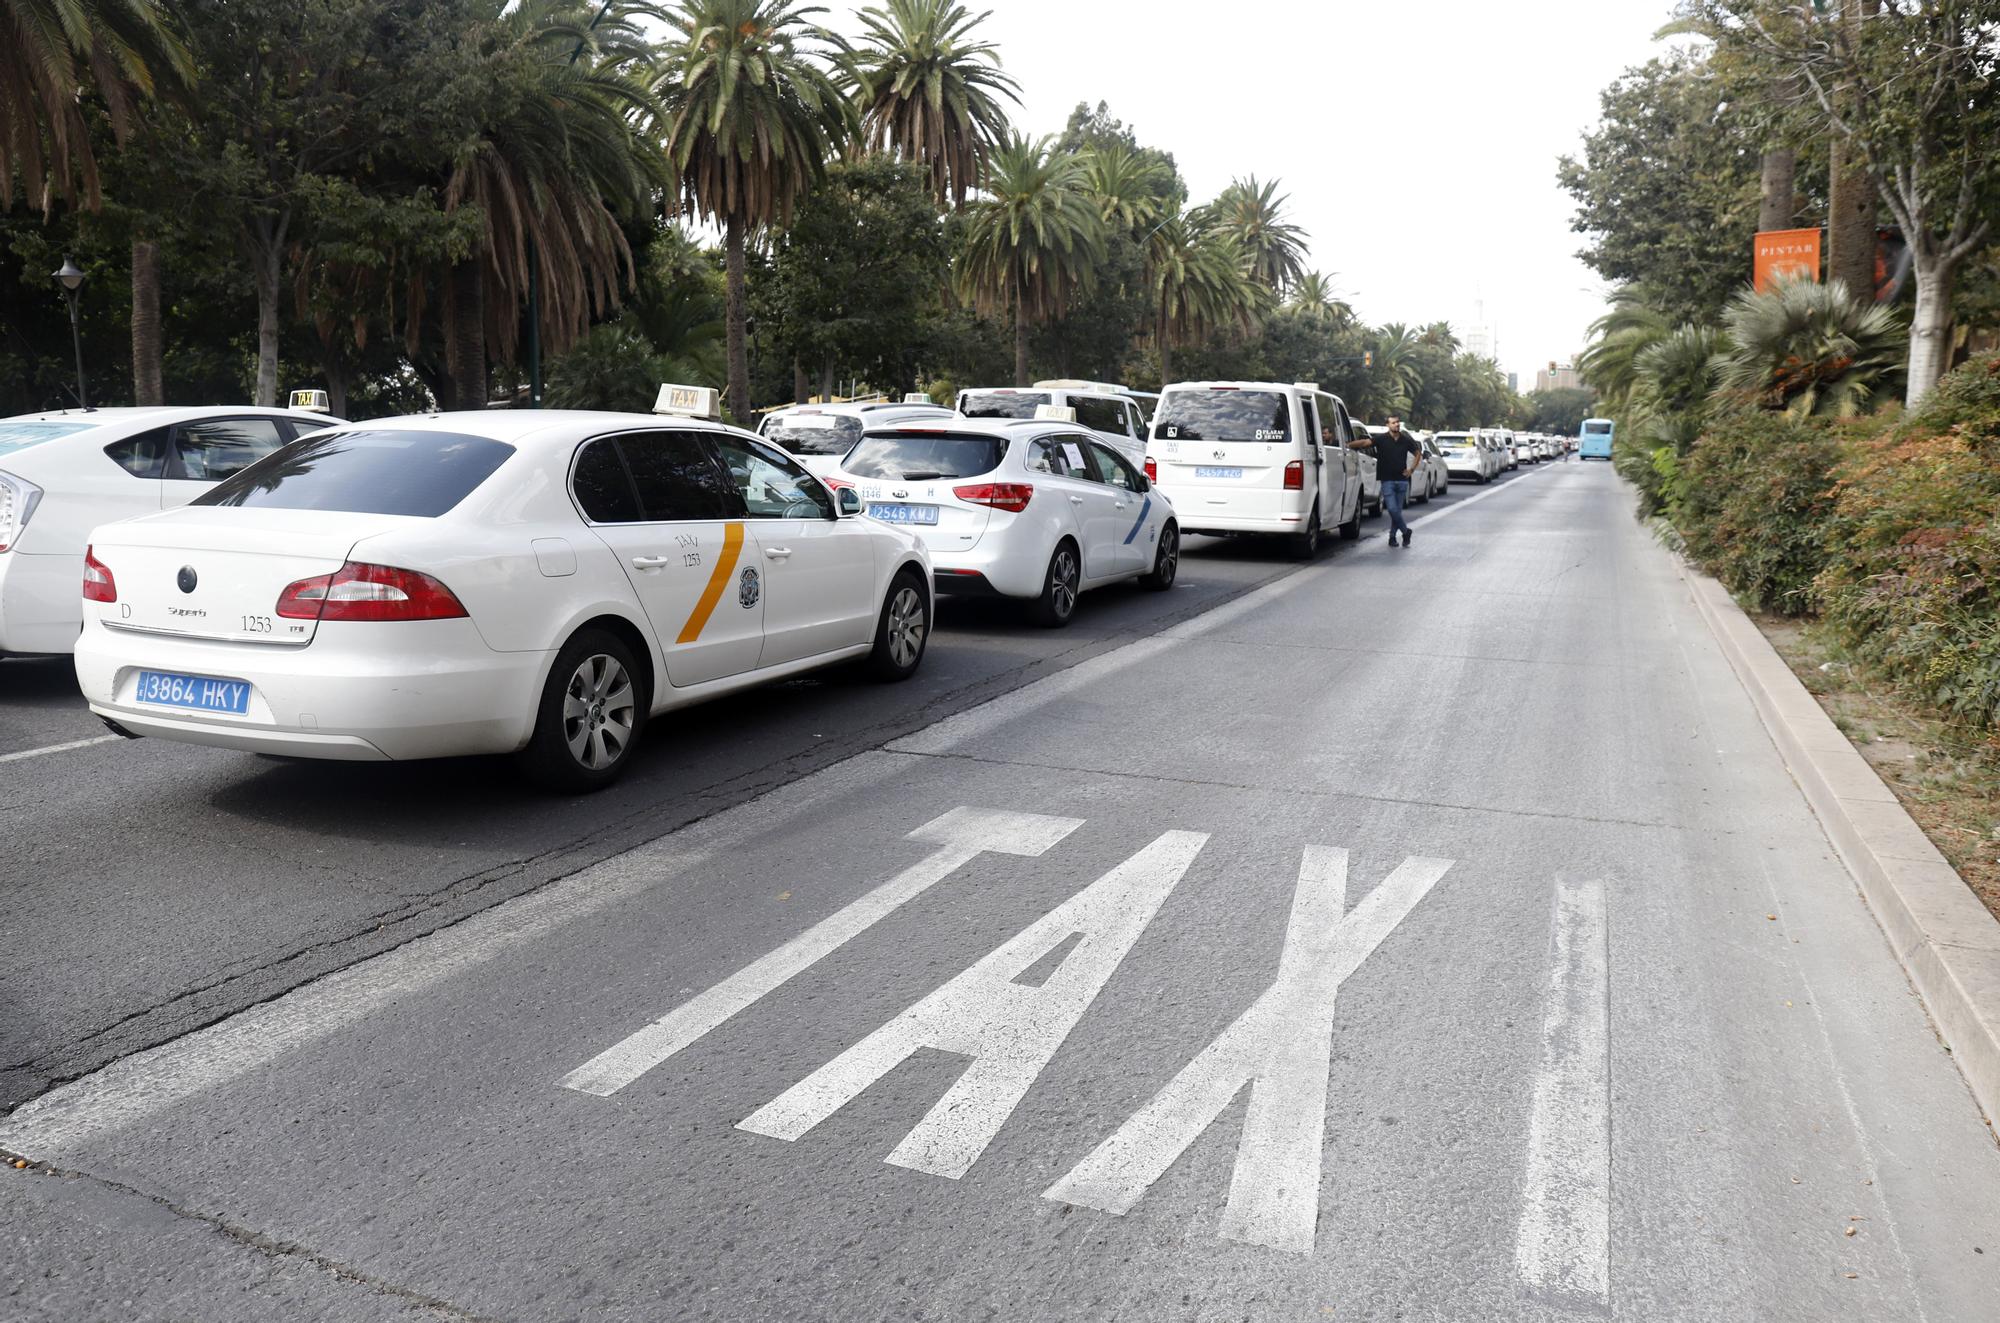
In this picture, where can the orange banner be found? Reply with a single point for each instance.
(1784, 255)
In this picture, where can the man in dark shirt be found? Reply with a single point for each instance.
(1396, 458)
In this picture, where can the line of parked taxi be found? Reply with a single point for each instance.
(542, 583)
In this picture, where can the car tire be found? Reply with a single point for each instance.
(590, 717)
(1056, 606)
(1304, 544)
(1351, 530)
(1166, 561)
(902, 630)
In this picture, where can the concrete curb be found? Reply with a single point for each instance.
(1949, 944)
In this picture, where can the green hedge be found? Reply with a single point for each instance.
(1888, 529)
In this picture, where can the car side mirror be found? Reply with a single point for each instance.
(849, 502)
(1145, 483)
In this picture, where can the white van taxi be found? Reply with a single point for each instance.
(817, 435)
(1258, 457)
(64, 472)
(527, 582)
(1106, 411)
(1039, 510)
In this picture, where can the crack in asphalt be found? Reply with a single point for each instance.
(272, 1247)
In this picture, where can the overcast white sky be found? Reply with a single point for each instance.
(1428, 187)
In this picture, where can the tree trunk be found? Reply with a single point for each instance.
(1776, 211)
(1850, 222)
(739, 349)
(336, 382)
(1166, 352)
(146, 384)
(1020, 340)
(465, 335)
(826, 382)
(1930, 327)
(801, 387)
(265, 271)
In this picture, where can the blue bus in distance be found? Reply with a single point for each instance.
(1594, 441)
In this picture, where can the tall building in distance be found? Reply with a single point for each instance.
(1479, 336)
(1558, 376)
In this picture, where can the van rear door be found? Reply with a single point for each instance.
(1222, 451)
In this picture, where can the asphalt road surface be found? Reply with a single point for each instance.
(1420, 934)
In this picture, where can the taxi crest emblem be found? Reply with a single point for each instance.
(748, 589)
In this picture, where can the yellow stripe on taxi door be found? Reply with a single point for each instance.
(732, 544)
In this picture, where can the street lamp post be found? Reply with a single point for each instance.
(71, 280)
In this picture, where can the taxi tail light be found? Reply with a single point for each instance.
(1152, 470)
(1013, 497)
(18, 499)
(1295, 476)
(835, 484)
(98, 585)
(369, 592)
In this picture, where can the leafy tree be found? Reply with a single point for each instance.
(1254, 213)
(53, 52)
(1032, 240)
(1811, 349)
(930, 91)
(1201, 282)
(1911, 92)
(1559, 411)
(754, 115)
(1666, 189)
(861, 267)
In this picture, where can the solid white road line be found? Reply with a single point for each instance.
(1564, 1244)
(1281, 1048)
(1009, 1030)
(57, 748)
(962, 835)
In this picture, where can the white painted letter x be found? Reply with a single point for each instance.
(1281, 1047)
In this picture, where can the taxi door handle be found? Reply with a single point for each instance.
(1076, 500)
(777, 553)
(648, 562)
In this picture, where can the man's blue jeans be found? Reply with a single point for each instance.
(1394, 493)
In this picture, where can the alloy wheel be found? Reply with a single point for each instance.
(906, 626)
(1062, 583)
(600, 709)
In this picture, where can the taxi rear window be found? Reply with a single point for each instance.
(1223, 415)
(921, 455)
(814, 434)
(1001, 403)
(365, 472)
(21, 435)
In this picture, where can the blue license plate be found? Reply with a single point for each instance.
(892, 513)
(1218, 473)
(200, 692)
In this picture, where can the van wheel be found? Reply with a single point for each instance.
(1166, 560)
(1060, 586)
(1304, 545)
(592, 710)
(1351, 530)
(902, 630)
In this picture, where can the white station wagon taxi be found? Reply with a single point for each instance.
(1039, 510)
(525, 582)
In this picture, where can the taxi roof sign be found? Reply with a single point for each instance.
(917, 397)
(1054, 413)
(314, 401)
(689, 401)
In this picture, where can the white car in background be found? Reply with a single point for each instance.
(1107, 411)
(1432, 469)
(63, 473)
(1039, 510)
(817, 435)
(1426, 481)
(1467, 455)
(516, 581)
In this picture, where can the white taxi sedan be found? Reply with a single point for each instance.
(1466, 456)
(65, 472)
(524, 582)
(1039, 510)
(817, 435)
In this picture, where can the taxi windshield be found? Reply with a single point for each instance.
(1001, 403)
(921, 455)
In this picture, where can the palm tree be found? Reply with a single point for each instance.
(1439, 335)
(1254, 213)
(1033, 239)
(1314, 295)
(1201, 284)
(51, 53)
(929, 91)
(1396, 366)
(1131, 186)
(557, 162)
(1811, 349)
(1673, 379)
(754, 114)
(1616, 339)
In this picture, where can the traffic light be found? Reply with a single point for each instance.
(1368, 358)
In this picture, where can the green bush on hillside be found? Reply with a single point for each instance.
(1753, 499)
